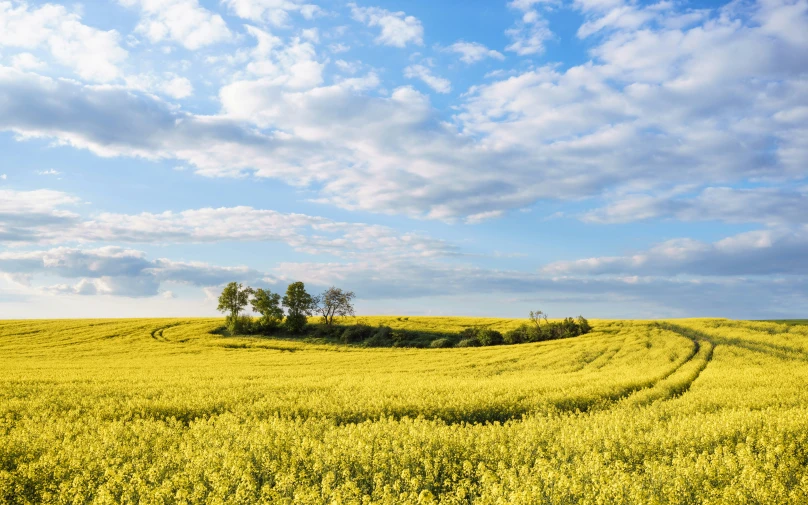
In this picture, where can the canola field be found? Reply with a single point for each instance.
(636, 412)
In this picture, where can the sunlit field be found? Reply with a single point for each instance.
(166, 411)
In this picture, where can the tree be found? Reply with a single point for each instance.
(299, 304)
(537, 316)
(334, 302)
(268, 304)
(234, 299)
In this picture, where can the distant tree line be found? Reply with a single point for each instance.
(299, 305)
(291, 312)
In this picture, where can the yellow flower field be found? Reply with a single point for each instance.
(165, 411)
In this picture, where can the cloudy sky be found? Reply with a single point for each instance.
(609, 158)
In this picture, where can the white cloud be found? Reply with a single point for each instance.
(3, 177)
(380, 263)
(41, 217)
(293, 65)
(312, 34)
(615, 296)
(25, 216)
(531, 31)
(770, 206)
(472, 52)
(92, 54)
(129, 273)
(182, 21)
(27, 61)
(347, 67)
(36, 202)
(118, 272)
(338, 48)
(274, 12)
(167, 84)
(423, 73)
(762, 252)
(397, 28)
(49, 172)
(655, 108)
(178, 87)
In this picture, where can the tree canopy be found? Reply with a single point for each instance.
(234, 299)
(268, 304)
(299, 304)
(334, 302)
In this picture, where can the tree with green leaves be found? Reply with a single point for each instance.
(334, 302)
(299, 304)
(537, 317)
(234, 299)
(268, 304)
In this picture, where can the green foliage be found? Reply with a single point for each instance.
(357, 333)
(294, 323)
(441, 343)
(240, 325)
(267, 303)
(233, 300)
(468, 342)
(299, 304)
(517, 335)
(488, 336)
(583, 325)
(382, 337)
(334, 302)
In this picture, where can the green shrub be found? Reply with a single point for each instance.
(468, 342)
(468, 333)
(584, 325)
(517, 335)
(489, 337)
(357, 333)
(295, 323)
(240, 325)
(325, 332)
(441, 343)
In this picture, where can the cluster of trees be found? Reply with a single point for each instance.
(299, 305)
(291, 311)
(542, 330)
(539, 331)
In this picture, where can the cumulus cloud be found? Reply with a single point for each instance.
(129, 273)
(274, 12)
(26, 215)
(657, 107)
(423, 73)
(761, 252)
(293, 65)
(41, 217)
(27, 61)
(182, 21)
(119, 272)
(760, 273)
(397, 28)
(604, 297)
(93, 54)
(769, 206)
(167, 84)
(530, 32)
(472, 52)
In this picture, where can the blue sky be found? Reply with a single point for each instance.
(600, 157)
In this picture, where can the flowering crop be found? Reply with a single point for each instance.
(165, 411)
